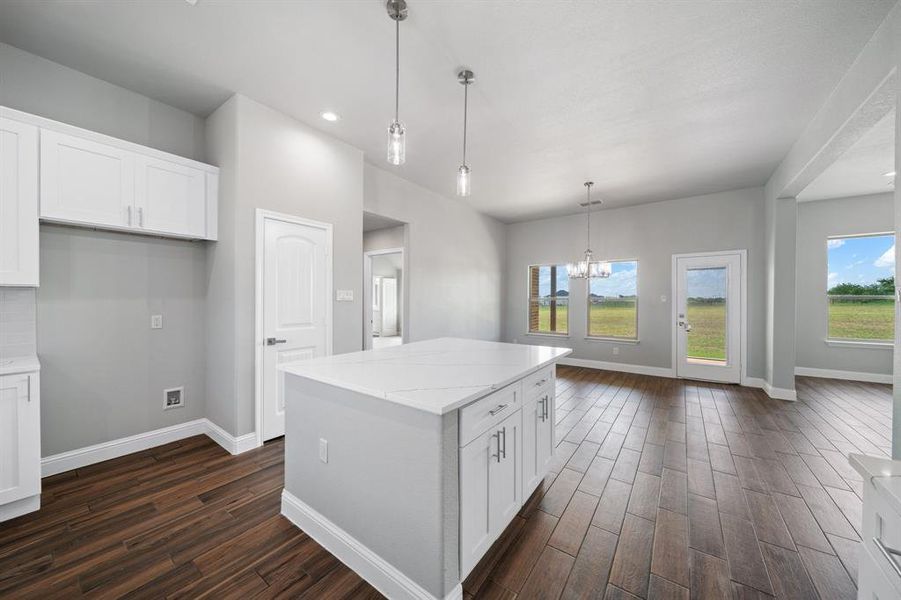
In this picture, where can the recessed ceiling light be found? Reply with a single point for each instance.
(330, 116)
(889, 174)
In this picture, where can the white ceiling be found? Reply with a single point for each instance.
(861, 169)
(652, 100)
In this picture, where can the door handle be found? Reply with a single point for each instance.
(273, 341)
(685, 325)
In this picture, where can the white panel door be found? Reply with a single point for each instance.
(170, 197)
(86, 182)
(707, 324)
(296, 268)
(20, 439)
(18, 203)
(389, 306)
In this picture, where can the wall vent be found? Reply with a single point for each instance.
(173, 398)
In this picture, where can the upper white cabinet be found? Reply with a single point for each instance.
(18, 203)
(94, 180)
(86, 182)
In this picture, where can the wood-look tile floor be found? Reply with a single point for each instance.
(660, 489)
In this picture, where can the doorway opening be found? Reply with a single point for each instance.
(385, 318)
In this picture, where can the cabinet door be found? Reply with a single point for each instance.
(170, 198)
(20, 438)
(86, 182)
(475, 523)
(18, 203)
(545, 438)
(505, 474)
(532, 472)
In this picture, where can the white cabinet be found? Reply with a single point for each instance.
(170, 197)
(20, 444)
(83, 181)
(537, 438)
(18, 203)
(490, 488)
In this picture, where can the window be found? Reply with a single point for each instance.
(548, 299)
(613, 302)
(860, 287)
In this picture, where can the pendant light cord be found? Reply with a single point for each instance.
(588, 192)
(465, 114)
(396, 69)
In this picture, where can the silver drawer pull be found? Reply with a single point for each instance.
(542, 382)
(498, 409)
(889, 554)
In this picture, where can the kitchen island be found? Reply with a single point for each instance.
(408, 462)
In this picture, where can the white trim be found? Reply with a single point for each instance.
(612, 340)
(615, 366)
(259, 334)
(548, 335)
(383, 576)
(674, 342)
(20, 507)
(89, 455)
(847, 375)
(779, 393)
(867, 345)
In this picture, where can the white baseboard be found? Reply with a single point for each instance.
(615, 366)
(847, 375)
(82, 457)
(779, 393)
(20, 507)
(367, 564)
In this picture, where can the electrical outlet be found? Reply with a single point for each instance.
(156, 321)
(173, 398)
(323, 450)
(615, 350)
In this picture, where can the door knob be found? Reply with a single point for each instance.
(273, 341)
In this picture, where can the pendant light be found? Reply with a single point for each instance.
(397, 141)
(586, 268)
(464, 177)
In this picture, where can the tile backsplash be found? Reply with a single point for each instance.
(18, 334)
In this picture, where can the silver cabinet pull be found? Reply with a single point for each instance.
(140, 216)
(29, 388)
(542, 382)
(889, 554)
(544, 414)
(273, 341)
(497, 435)
(504, 451)
(497, 409)
(129, 215)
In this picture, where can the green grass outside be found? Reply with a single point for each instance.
(707, 338)
(870, 320)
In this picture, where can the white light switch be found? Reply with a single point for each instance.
(323, 450)
(663, 298)
(345, 295)
(156, 321)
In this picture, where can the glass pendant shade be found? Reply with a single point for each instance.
(397, 143)
(586, 268)
(464, 181)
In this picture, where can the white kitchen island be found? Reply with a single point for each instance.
(408, 462)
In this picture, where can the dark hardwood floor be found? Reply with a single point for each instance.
(661, 489)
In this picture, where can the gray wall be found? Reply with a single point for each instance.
(271, 161)
(455, 259)
(18, 335)
(104, 370)
(816, 222)
(651, 233)
(384, 239)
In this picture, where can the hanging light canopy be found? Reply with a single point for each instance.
(587, 267)
(464, 177)
(397, 141)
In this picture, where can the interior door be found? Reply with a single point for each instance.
(295, 301)
(707, 325)
(389, 306)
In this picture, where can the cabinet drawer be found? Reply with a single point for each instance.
(538, 382)
(477, 417)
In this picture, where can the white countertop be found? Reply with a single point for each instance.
(436, 376)
(22, 364)
(883, 473)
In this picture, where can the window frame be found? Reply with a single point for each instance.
(614, 338)
(855, 342)
(529, 302)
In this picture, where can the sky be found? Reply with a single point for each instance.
(622, 282)
(706, 283)
(860, 260)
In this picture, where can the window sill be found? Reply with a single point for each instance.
(550, 335)
(860, 344)
(611, 340)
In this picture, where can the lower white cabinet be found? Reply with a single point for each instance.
(20, 444)
(537, 438)
(490, 487)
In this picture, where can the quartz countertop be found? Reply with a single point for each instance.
(435, 376)
(883, 473)
(22, 364)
